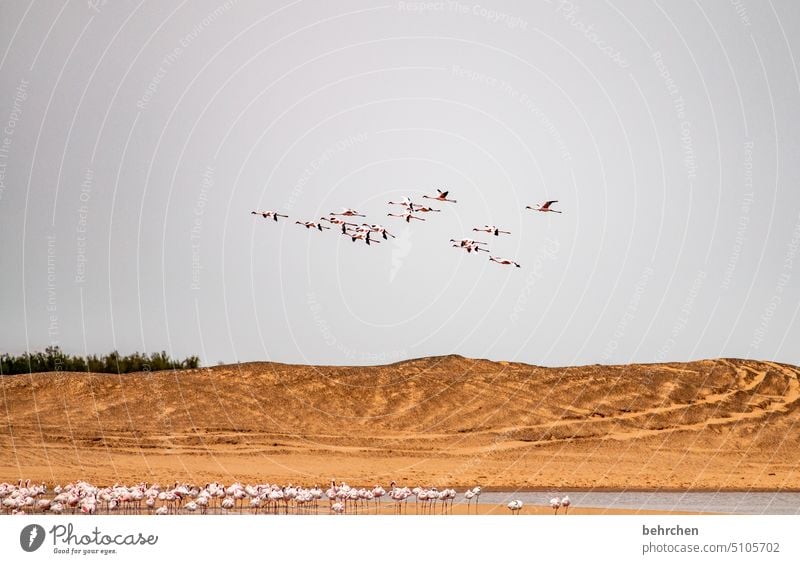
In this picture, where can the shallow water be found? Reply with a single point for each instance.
(754, 503)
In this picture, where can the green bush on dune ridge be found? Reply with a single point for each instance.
(53, 359)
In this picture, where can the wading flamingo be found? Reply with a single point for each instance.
(468, 495)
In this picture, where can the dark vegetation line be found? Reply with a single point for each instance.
(54, 360)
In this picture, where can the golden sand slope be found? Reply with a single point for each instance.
(454, 421)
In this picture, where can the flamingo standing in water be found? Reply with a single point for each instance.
(493, 230)
(565, 503)
(269, 214)
(228, 504)
(451, 497)
(378, 492)
(545, 207)
(400, 496)
(468, 495)
(499, 260)
(477, 491)
(555, 503)
(441, 197)
(515, 506)
(332, 491)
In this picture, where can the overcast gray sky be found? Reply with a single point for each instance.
(137, 137)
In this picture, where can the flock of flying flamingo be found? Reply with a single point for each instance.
(215, 498)
(367, 232)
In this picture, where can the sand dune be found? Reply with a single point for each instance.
(728, 424)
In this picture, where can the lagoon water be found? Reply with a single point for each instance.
(754, 503)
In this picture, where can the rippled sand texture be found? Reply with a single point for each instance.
(446, 421)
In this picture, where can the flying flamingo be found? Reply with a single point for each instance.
(491, 229)
(467, 242)
(407, 216)
(470, 248)
(442, 196)
(348, 212)
(337, 221)
(499, 260)
(360, 235)
(375, 228)
(545, 207)
(406, 203)
(267, 214)
(426, 209)
(311, 225)
(515, 506)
